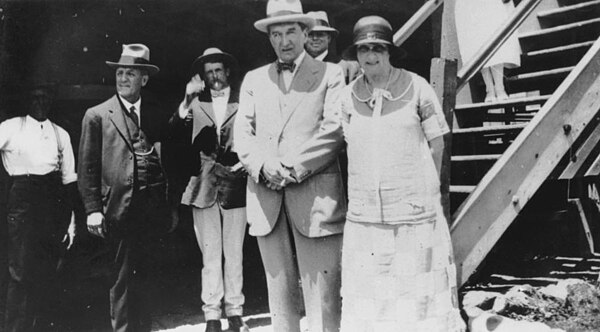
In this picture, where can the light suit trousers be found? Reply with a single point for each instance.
(220, 233)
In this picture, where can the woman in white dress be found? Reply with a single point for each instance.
(398, 271)
(476, 22)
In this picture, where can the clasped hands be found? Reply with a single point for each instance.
(276, 175)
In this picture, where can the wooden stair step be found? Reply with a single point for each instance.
(560, 56)
(570, 13)
(552, 37)
(462, 189)
(511, 102)
(543, 81)
(479, 157)
(490, 129)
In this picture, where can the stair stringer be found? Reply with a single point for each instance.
(499, 197)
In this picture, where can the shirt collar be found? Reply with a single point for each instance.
(226, 91)
(128, 104)
(322, 56)
(29, 118)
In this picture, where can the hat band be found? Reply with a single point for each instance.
(131, 60)
(323, 23)
(282, 13)
(374, 36)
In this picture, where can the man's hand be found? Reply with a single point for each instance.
(71, 232)
(96, 225)
(351, 69)
(276, 175)
(194, 86)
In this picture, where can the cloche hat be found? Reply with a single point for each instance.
(372, 30)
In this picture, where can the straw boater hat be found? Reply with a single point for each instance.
(213, 54)
(373, 30)
(135, 56)
(322, 23)
(284, 11)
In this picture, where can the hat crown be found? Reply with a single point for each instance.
(283, 7)
(320, 17)
(136, 51)
(374, 28)
(212, 50)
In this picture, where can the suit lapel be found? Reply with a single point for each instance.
(117, 117)
(302, 82)
(229, 113)
(207, 108)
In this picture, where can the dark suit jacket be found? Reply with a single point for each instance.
(106, 165)
(211, 182)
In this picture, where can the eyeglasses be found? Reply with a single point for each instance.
(377, 48)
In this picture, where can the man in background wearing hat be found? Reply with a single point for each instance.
(320, 38)
(38, 158)
(217, 189)
(122, 183)
(298, 225)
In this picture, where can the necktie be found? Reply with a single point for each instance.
(133, 115)
(281, 66)
(216, 94)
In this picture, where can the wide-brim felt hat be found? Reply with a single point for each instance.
(322, 23)
(213, 54)
(373, 30)
(135, 56)
(284, 11)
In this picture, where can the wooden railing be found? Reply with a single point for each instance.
(488, 50)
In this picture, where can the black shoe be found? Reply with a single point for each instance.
(213, 326)
(236, 324)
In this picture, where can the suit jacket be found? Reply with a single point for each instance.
(272, 124)
(106, 165)
(212, 182)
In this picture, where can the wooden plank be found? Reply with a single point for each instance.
(559, 49)
(541, 75)
(503, 103)
(462, 189)
(490, 129)
(443, 81)
(582, 155)
(484, 216)
(477, 157)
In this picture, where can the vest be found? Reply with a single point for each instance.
(148, 169)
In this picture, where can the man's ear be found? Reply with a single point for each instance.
(145, 79)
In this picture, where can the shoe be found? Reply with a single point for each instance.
(490, 97)
(502, 95)
(213, 326)
(236, 324)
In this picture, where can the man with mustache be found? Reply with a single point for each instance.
(123, 185)
(217, 189)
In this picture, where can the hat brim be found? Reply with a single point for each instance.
(227, 59)
(151, 69)
(319, 28)
(263, 24)
(395, 52)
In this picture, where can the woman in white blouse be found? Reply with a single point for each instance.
(398, 272)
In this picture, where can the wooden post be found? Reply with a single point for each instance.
(443, 80)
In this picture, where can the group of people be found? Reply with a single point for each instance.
(265, 154)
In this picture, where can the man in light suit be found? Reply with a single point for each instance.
(298, 225)
(217, 189)
(123, 185)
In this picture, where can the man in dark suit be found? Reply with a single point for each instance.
(123, 185)
(217, 189)
(320, 37)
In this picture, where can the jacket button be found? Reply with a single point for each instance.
(130, 157)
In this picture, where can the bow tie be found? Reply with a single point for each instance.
(216, 94)
(281, 66)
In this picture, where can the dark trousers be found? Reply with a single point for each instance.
(35, 223)
(4, 181)
(131, 243)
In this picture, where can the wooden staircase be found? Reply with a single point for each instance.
(492, 178)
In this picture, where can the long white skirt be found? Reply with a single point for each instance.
(476, 22)
(399, 278)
